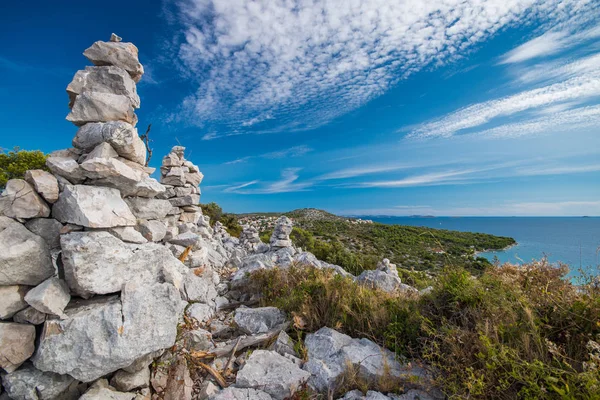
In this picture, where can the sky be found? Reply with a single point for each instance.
(372, 107)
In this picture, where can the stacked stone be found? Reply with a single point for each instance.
(281, 233)
(76, 251)
(250, 238)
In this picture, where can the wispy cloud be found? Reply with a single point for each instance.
(287, 183)
(295, 151)
(306, 63)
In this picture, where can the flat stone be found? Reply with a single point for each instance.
(65, 167)
(194, 178)
(192, 199)
(101, 390)
(12, 300)
(371, 395)
(29, 316)
(200, 312)
(99, 263)
(144, 208)
(284, 345)
(92, 207)
(50, 297)
(24, 256)
(258, 320)
(122, 137)
(119, 54)
(273, 373)
(29, 383)
(19, 200)
(101, 107)
(197, 339)
(174, 176)
(185, 239)
(109, 333)
(127, 381)
(112, 171)
(17, 343)
(153, 230)
(199, 288)
(128, 234)
(233, 393)
(44, 183)
(106, 79)
(48, 228)
(103, 150)
(179, 383)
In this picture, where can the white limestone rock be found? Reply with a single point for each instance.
(20, 201)
(273, 373)
(144, 208)
(111, 171)
(24, 256)
(65, 167)
(92, 207)
(101, 390)
(99, 263)
(103, 150)
(128, 234)
(192, 199)
(106, 79)
(258, 320)
(108, 333)
(44, 183)
(122, 137)
(233, 393)
(128, 381)
(153, 230)
(200, 312)
(48, 228)
(17, 343)
(101, 107)
(50, 297)
(29, 383)
(174, 176)
(119, 54)
(12, 300)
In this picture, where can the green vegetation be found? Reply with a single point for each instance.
(14, 163)
(215, 212)
(512, 333)
(359, 246)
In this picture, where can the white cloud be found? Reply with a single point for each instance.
(288, 183)
(547, 44)
(307, 62)
(295, 151)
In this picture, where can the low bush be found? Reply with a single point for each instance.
(511, 333)
(14, 163)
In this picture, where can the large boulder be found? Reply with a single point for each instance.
(92, 207)
(49, 297)
(99, 263)
(101, 107)
(258, 320)
(44, 183)
(17, 343)
(108, 333)
(29, 383)
(144, 208)
(147, 187)
(12, 300)
(65, 167)
(276, 375)
(119, 54)
(331, 353)
(24, 256)
(123, 138)
(107, 79)
(19, 200)
(111, 172)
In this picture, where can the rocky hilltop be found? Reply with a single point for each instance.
(113, 285)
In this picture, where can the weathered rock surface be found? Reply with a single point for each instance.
(50, 297)
(233, 393)
(65, 167)
(29, 383)
(19, 200)
(330, 353)
(284, 345)
(281, 233)
(92, 207)
(48, 228)
(99, 263)
(147, 187)
(101, 107)
(200, 312)
(12, 300)
(105, 334)
(189, 200)
(106, 79)
(119, 54)
(29, 316)
(44, 183)
(179, 384)
(153, 231)
(111, 172)
(101, 390)
(127, 381)
(371, 395)
(24, 256)
(103, 150)
(273, 373)
(128, 234)
(258, 320)
(385, 278)
(17, 343)
(144, 208)
(123, 138)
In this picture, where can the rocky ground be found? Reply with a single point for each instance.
(113, 285)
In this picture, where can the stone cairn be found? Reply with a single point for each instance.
(98, 262)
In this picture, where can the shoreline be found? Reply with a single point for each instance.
(510, 246)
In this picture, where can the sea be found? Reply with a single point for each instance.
(571, 240)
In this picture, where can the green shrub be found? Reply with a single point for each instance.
(14, 163)
(229, 221)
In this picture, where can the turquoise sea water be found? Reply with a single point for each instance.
(571, 240)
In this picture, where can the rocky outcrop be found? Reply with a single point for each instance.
(385, 278)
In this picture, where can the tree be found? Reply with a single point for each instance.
(14, 163)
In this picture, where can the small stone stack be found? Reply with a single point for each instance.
(281, 233)
(250, 238)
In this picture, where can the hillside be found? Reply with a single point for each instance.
(412, 248)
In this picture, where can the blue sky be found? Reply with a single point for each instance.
(358, 107)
